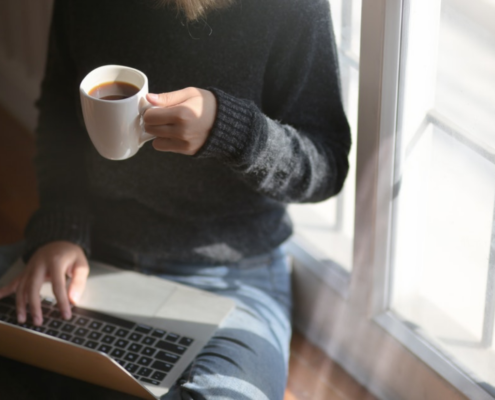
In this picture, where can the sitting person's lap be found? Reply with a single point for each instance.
(246, 358)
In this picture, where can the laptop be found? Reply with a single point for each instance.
(130, 332)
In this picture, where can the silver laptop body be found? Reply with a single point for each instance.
(178, 320)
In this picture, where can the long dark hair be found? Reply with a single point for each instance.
(196, 9)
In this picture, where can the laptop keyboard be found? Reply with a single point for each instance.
(147, 353)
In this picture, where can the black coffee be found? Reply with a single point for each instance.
(114, 91)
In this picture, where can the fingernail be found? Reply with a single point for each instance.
(21, 318)
(66, 315)
(153, 96)
(37, 320)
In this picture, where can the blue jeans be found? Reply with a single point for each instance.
(247, 358)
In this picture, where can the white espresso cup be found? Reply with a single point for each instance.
(115, 126)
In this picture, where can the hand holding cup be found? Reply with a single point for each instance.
(121, 116)
(180, 120)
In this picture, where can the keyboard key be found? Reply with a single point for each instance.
(121, 332)
(52, 332)
(170, 347)
(131, 357)
(131, 368)
(108, 339)
(185, 341)
(144, 371)
(158, 333)
(105, 348)
(152, 381)
(94, 335)
(148, 351)
(45, 310)
(162, 366)
(4, 309)
(9, 300)
(121, 362)
(159, 376)
(95, 325)
(65, 336)
(171, 358)
(143, 329)
(82, 321)
(135, 347)
(108, 329)
(55, 314)
(68, 328)
(92, 345)
(172, 337)
(78, 340)
(55, 324)
(135, 336)
(144, 361)
(39, 329)
(48, 301)
(109, 319)
(71, 319)
(81, 332)
(118, 353)
(148, 341)
(121, 343)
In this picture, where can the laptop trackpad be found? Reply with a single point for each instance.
(122, 292)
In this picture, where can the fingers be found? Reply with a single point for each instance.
(28, 293)
(33, 288)
(60, 291)
(177, 115)
(50, 262)
(183, 119)
(20, 302)
(172, 98)
(164, 131)
(174, 145)
(78, 283)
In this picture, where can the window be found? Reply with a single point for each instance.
(417, 320)
(444, 237)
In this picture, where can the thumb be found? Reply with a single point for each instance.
(78, 282)
(171, 98)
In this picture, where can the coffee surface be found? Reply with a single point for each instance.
(113, 90)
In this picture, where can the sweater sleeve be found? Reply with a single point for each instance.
(60, 141)
(295, 148)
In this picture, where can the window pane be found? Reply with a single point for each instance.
(328, 227)
(444, 223)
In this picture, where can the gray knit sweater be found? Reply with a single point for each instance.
(280, 133)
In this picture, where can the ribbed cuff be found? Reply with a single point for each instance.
(66, 224)
(231, 131)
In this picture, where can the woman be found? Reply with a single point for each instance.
(250, 119)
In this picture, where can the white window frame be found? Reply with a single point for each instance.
(348, 315)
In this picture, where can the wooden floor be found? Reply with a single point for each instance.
(312, 375)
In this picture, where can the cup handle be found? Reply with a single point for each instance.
(143, 106)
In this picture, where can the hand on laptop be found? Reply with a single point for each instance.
(53, 262)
